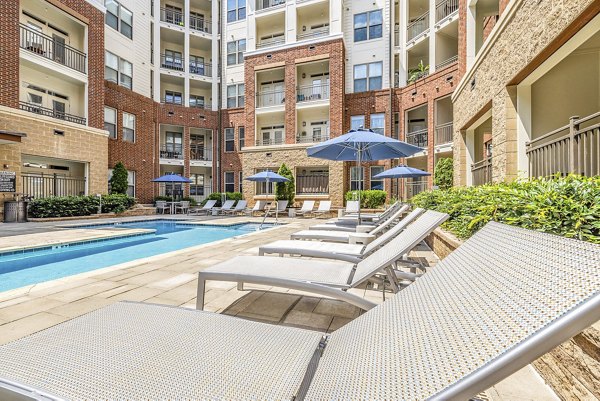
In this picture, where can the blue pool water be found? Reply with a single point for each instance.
(36, 266)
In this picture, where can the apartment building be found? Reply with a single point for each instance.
(528, 104)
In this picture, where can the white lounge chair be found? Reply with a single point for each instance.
(352, 228)
(227, 205)
(328, 250)
(328, 278)
(239, 208)
(306, 209)
(351, 207)
(206, 209)
(445, 337)
(259, 206)
(161, 206)
(324, 209)
(352, 219)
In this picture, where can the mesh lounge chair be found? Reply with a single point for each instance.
(329, 278)
(352, 228)
(351, 207)
(259, 206)
(346, 252)
(323, 209)
(239, 208)
(207, 208)
(307, 208)
(227, 205)
(352, 219)
(399, 350)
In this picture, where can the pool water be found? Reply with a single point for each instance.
(37, 266)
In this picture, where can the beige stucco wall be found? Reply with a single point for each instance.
(523, 32)
(293, 156)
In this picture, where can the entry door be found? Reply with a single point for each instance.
(58, 48)
(278, 132)
(278, 93)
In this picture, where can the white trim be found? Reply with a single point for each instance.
(99, 4)
(286, 46)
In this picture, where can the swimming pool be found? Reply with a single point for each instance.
(34, 266)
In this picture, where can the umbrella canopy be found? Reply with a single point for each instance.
(367, 144)
(171, 178)
(402, 171)
(267, 176)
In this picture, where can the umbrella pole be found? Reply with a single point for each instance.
(361, 181)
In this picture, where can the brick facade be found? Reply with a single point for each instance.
(9, 56)
(232, 161)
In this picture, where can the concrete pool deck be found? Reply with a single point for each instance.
(171, 279)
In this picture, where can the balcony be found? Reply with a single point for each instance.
(270, 98)
(270, 141)
(200, 24)
(482, 171)
(204, 70)
(52, 49)
(171, 151)
(313, 33)
(200, 105)
(315, 138)
(446, 63)
(200, 153)
(312, 184)
(264, 5)
(417, 138)
(417, 27)
(312, 93)
(443, 134)
(274, 40)
(171, 63)
(177, 100)
(172, 16)
(444, 9)
(37, 109)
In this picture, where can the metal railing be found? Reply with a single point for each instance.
(200, 24)
(397, 36)
(37, 109)
(313, 33)
(265, 4)
(200, 192)
(447, 62)
(204, 106)
(444, 8)
(171, 151)
(415, 75)
(310, 93)
(415, 186)
(417, 138)
(274, 41)
(270, 98)
(444, 134)
(49, 185)
(574, 148)
(171, 63)
(312, 184)
(417, 27)
(314, 138)
(270, 141)
(172, 101)
(172, 16)
(198, 152)
(204, 70)
(52, 49)
(482, 171)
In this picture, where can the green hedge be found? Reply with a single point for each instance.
(68, 206)
(370, 199)
(237, 196)
(567, 206)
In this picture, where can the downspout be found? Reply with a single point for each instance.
(392, 81)
(217, 174)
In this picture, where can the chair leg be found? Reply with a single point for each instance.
(200, 293)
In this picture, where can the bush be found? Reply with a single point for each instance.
(285, 190)
(217, 196)
(118, 182)
(369, 199)
(68, 206)
(443, 173)
(567, 206)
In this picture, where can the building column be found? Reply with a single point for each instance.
(215, 55)
(186, 159)
(290, 102)
(504, 135)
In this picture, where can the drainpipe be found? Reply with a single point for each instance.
(217, 170)
(391, 73)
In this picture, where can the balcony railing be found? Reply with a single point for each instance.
(417, 138)
(312, 184)
(52, 49)
(37, 109)
(171, 63)
(313, 33)
(274, 41)
(414, 75)
(415, 186)
(444, 8)
(172, 16)
(200, 105)
(200, 24)
(202, 153)
(312, 93)
(447, 62)
(270, 141)
(397, 36)
(482, 171)
(270, 98)
(443, 134)
(172, 100)
(314, 138)
(204, 70)
(574, 148)
(171, 151)
(266, 4)
(49, 185)
(417, 27)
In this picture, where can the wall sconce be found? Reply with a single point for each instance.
(303, 75)
(303, 28)
(304, 123)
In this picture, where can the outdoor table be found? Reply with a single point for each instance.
(172, 206)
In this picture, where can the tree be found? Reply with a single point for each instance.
(285, 190)
(118, 181)
(443, 173)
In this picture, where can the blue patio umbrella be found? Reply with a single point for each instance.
(402, 171)
(268, 176)
(362, 145)
(172, 178)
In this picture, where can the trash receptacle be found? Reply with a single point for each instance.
(15, 211)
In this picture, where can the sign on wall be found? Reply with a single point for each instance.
(8, 181)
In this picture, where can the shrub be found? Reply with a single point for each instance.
(118, 181)
(567, 206)
(369, 199)
(68, 206)
(285, 190)
(443, 173)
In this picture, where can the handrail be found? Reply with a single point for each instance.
(171, 63)
(48, 47)
(444, 9)
(414, 29)
(308, 93)
(171, 16)
(200, 24)
(203, 69)
(313, 33)
(37, 109)
(272, 41)
(447, 62)
(266, 4)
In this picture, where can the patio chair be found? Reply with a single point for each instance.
(328, 278)
(184, 206)
(239, 208)
(161, 206)
(352, 218)
(328, 250)
(352, 228)
(259, 207)
(324, 209)
(351, 207)
(206, 209)
(399, 350)
(306, 209)
(227, 205)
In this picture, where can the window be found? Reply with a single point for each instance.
(173, 15)
(235, 96)
(229, 181)
(356, 178)
(368, 25)
(118, 70)
(119, 18)
(376, 183)
(130, 181)
(235, 51)
(173, 97)
(357, 122)
(241, 182)
(197, 66)
(126, 74)
(236, 10)
(367, 77)
(229, 140)
(197, 185)
(197, 101)
(110, 122)
(128, 127)
(241, 137)
(378, 123)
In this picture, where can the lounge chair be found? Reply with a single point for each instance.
(259, 206)
(352, 228)
(328, 278)
(351, 207)
(206, 209)
(227, 205)
(161, 206)
(328, 250)
(306, 209)
(281, 206)
(324, 209)
(494, 305)
(352, 219)
(184, 206)
(239, 208)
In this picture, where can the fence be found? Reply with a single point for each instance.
(52, 49)
(443, 133)
(482, 172)
(48, 185)
(312, 184)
